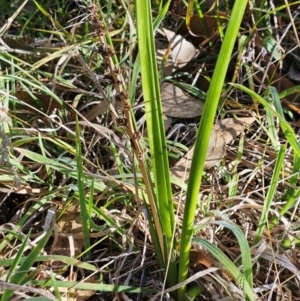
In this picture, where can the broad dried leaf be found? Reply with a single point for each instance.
(182, 50)
(167, 121)
(101, 108)
(83, 295)
(232, 127)
(178, 104)
(215, 153)
(69, 223)
(199, 33)
(223, 132)
(162, 53)
(216, 149)
(45, 102)
(198, 258)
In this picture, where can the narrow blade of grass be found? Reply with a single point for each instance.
(156, 132)
(203, 137)
(244, 247)
(229, 266)
(25, 266)
(82, 199)
(94, 286)
(16, 260)
(63, 168)
(286, 128)
(270, 195)
(25, 217)
(153, 108)
(55, 287)
(64, 259)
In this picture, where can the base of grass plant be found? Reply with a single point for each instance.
(162, 211)
(203, 137)
(193, 292)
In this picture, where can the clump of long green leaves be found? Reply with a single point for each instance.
(157, 144)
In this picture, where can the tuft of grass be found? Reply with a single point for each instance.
(84, 151)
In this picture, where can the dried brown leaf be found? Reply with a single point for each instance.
(167, 121)
(202, 30)
(182, 50)
(198, 258)
(46, 104)
(162, 52)
(215, 153)
(232, 127)
(178, 104)
(83, 295)
(101, 108)
(216, 149)
(70, 222)
(223, 132)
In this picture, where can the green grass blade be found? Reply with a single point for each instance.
(271, 193)
(82, 198)
(229, 266)
(244, 247)
(276, 100)
(94, 286)
(44, 258)
(136, 69)
(63, 168)
(153, 108)
(271, 130)
(55, 287)
(25, 217)
(161, 15)
(38, 299)
(155, 127)
(286, 128)
(25, 266)
(203, 137)
(34, 83)
(16, 260)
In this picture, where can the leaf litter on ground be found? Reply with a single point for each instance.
(224, 131)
